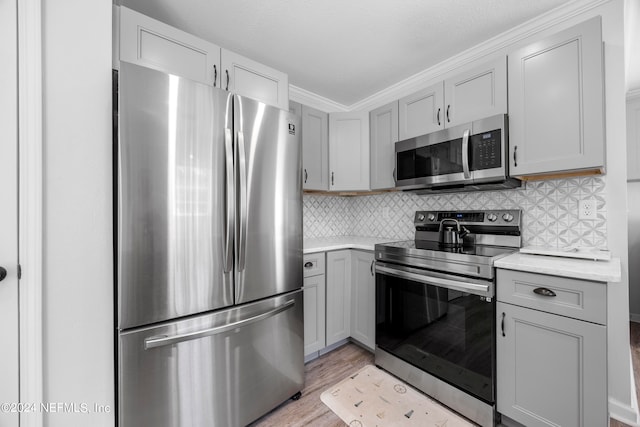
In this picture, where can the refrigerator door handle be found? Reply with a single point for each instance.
(228, 254)
(164, 340)
(242, 241)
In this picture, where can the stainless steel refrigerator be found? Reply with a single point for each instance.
(209, 253)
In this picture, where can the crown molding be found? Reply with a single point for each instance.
(482, 50)
(314, 100)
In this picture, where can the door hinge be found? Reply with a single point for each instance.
(19, 272)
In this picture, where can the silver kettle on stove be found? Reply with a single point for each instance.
(452, 235)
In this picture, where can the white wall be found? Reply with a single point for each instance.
(78, 279)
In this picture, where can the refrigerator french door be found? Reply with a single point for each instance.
(209, 253)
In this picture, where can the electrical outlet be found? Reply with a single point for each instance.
(587, 209)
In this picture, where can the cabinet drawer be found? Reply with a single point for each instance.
(579, 299)
(313, 264)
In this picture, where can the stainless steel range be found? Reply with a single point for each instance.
(435, 306)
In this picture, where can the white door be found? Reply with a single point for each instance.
(8, 215)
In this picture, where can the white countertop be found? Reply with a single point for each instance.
(600, 271)
(323, 244)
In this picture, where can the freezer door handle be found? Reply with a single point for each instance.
(164, 340)
(242, 241)
(228, 254)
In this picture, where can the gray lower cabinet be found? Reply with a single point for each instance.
(363, 298)
(551, 368)
(338, 314)
(314, 303)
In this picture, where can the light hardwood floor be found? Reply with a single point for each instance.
(321, 374)
(333, 367)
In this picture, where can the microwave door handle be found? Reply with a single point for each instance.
(465, 154)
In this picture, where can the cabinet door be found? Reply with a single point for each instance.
(363, 298)
(315, 149)
(154, 44)
(338, 296)
(349, 151)
(249, 78)
(556, 103)
(551, 370)
(477, 93)
(421, 112)
(314, 314)
(383, 124)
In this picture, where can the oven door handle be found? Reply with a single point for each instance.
(458, 285)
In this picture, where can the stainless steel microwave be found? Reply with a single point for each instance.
(465, 155)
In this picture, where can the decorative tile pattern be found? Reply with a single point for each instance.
(550, 212)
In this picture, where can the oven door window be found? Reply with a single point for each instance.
(447, 333)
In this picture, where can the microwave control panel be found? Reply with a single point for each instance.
(485, 150)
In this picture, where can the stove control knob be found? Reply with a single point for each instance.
(431, 217)
(492, 217)
(507, 217)
(421, 217)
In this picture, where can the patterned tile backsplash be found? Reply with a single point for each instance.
(550, 212)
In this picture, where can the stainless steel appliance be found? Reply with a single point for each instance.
(209, 253)
(470, 156)
(435, 307)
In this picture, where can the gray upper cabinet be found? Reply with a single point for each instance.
(470, 95)
(150, 43)
(477, 93)
(247, 77)
(154, 44)
(349, 151)
(421, 112)
(556, 110)
(383, 135)
(315, 149)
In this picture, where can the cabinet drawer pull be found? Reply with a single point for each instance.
(331, 178)
(503, 334)
(438, 116)
(227, 88)
(515, 159)
(544, 292)
(308, 264)
(215, 75)
(448, 119)
(306, 175)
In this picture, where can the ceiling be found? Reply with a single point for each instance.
(345, 51)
